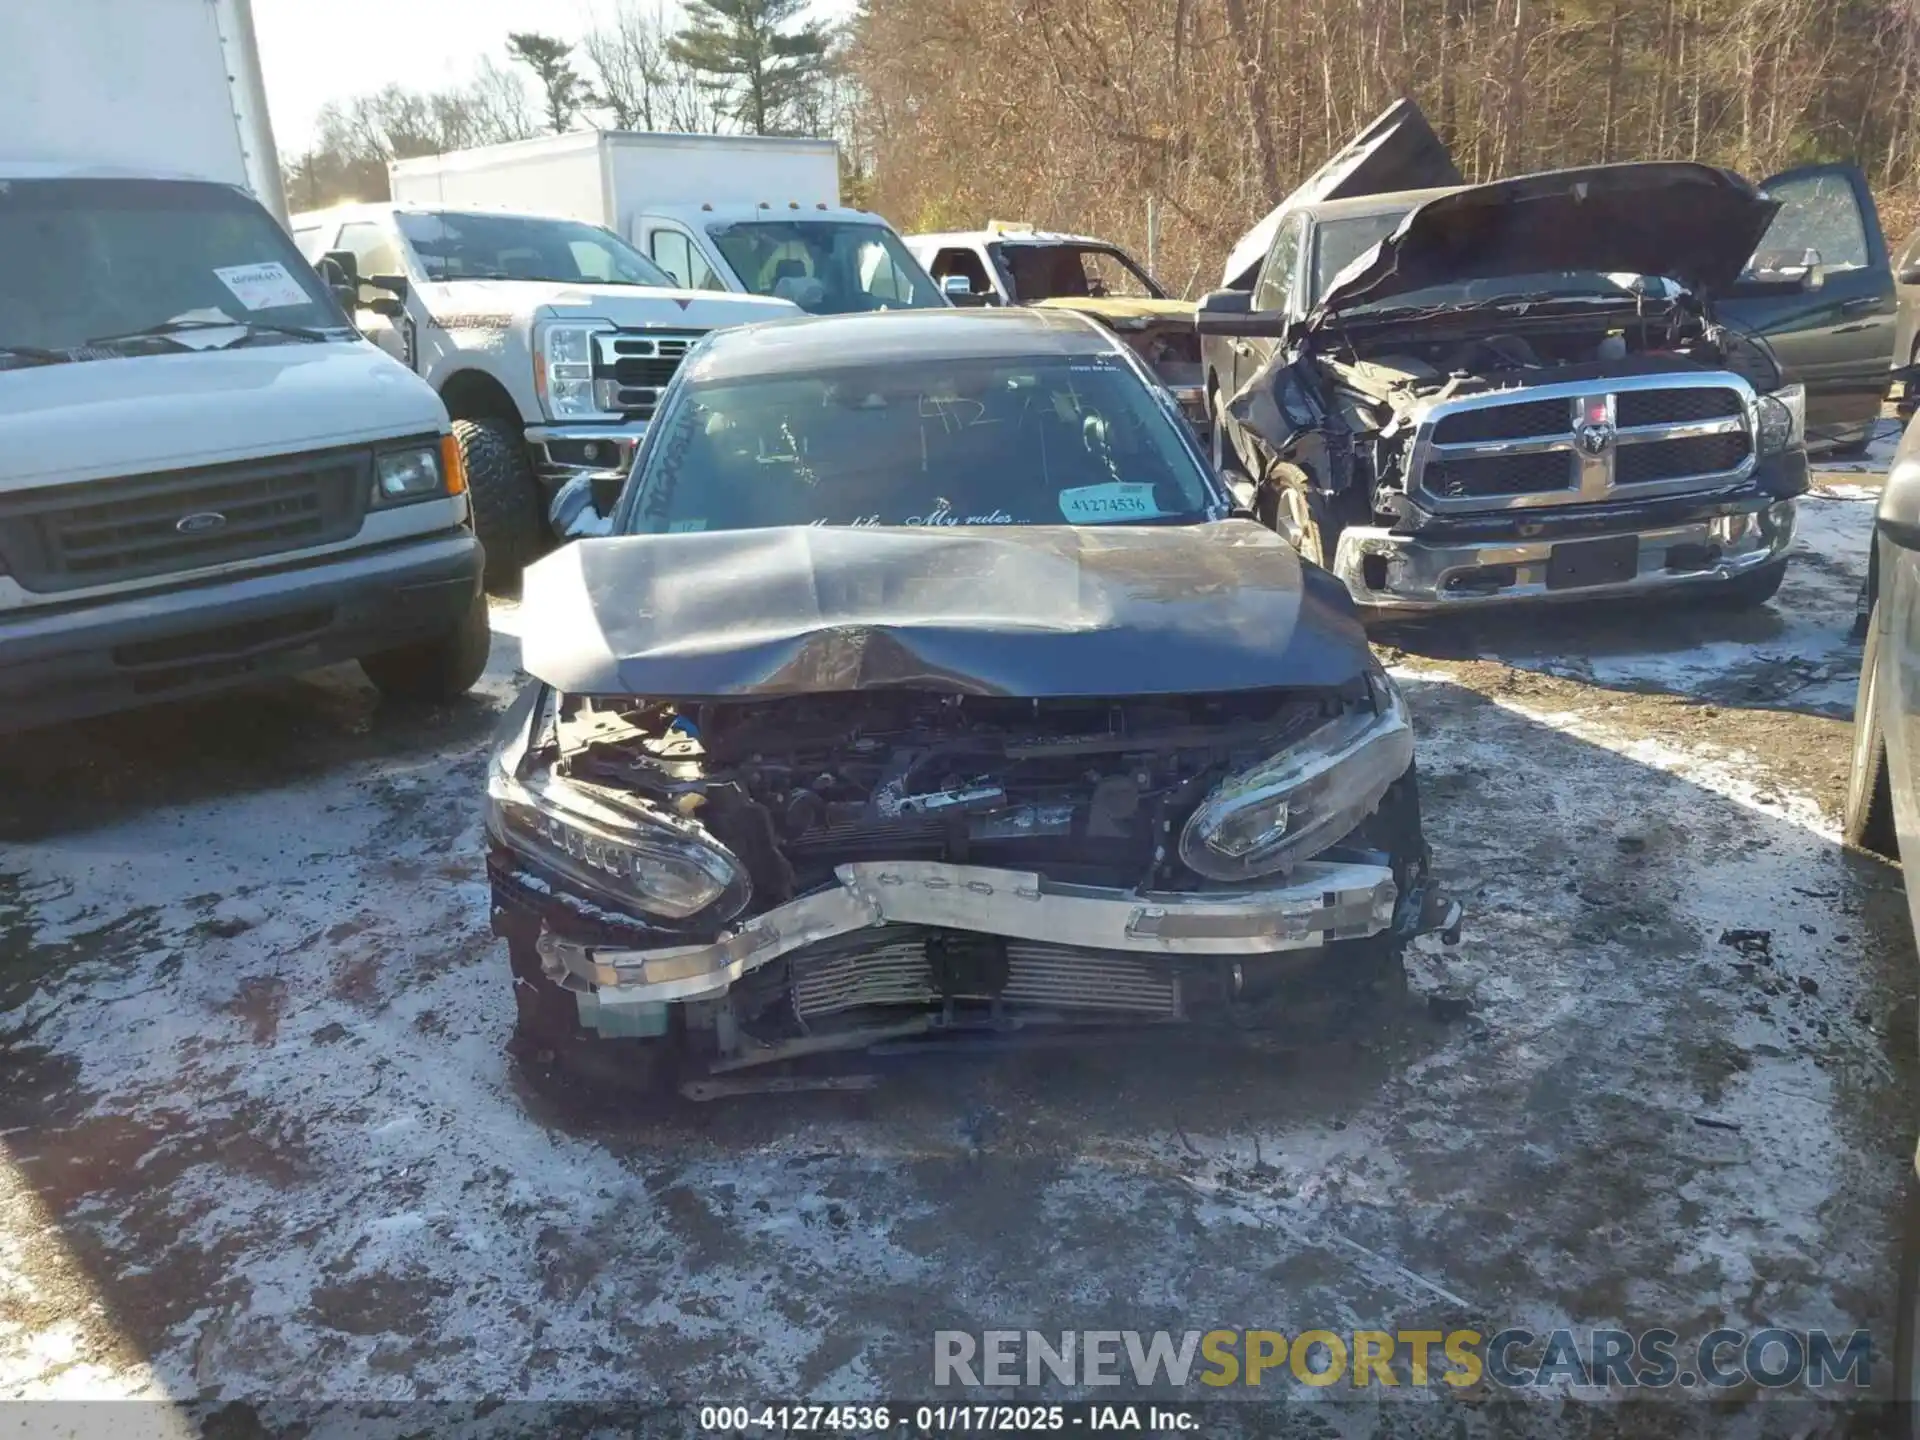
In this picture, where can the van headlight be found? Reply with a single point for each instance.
(650, 860)
(1782, 420)
(563, 371)
(1290, 807)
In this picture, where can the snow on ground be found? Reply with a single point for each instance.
(262, 1138)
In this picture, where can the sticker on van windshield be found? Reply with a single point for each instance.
(266, 286)
(685, 527)
(1103, 504)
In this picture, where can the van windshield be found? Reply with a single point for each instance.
(87, 259)
(826, 267)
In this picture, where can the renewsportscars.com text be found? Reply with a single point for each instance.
(1362, 1359)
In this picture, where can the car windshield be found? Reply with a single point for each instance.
(1338, 243)
(86, 259)
(458, 246)
(826, 267)
(1053, 272)
(1053, 440)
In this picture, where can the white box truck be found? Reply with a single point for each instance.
(754, 214)
(206, 474)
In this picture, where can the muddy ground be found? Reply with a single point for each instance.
(263, 1141)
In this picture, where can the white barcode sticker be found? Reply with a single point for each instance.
(266, 286)
(1103, 504)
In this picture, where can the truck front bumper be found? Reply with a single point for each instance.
(65, 661)
(561, 452)
(1388, 572)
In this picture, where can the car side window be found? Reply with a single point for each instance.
(958, 260)
(673, 252)
(1275, 285)
(1818, 214)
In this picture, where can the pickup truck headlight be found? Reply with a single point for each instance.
(563, 371)
(1783, 420)
(1293, 805)
(654, 862)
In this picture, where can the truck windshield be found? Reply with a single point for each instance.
(86, 259)
(453, 246)
(1053, 272)
(826, 267)
(1054, 440)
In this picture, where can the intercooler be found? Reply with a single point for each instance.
(907, 966)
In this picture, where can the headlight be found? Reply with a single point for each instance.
(407, 475)
(1312, 794)
(1783, 420)
(657, 862)
(564, 371)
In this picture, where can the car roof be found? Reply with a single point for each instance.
(826, 342)
(1384, 204)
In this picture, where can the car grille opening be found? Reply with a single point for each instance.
(1488, 475)
(1675, 407)
(1674, 459)
(1530, 419)
(100, 532)
(633, 369)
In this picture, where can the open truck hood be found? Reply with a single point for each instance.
(1397, 151)
(1041, 611)
(1687, 222)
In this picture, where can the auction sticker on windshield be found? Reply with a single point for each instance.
(1103, 504)
(266, 286)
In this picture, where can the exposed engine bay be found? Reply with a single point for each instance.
(1092, 792)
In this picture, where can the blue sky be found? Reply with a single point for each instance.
(313, 51)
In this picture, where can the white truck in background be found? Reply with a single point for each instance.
(206, 474)
(751, 214)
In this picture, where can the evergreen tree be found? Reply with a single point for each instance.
(551, 61)
(746, 49)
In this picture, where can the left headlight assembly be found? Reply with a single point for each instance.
(656, 863)
(563, 371)
(1288, 808)
(1782, 420)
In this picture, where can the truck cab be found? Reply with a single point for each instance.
(828, 260)
(206, 474)
(550, 340)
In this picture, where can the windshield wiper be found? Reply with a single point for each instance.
(167, 328)
(35, 355)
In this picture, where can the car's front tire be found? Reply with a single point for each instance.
(435, 671)
(505, 495)
(1867, 821)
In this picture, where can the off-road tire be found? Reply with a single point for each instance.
(505, 496)
(1751, 590)
(550, 1041)
(1866, 820)
(435, 671)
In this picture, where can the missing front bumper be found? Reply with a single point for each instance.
(1389, 572)
(1321, 902)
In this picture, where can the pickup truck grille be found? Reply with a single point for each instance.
(1582, 443)
(632, 368)
(68, 537)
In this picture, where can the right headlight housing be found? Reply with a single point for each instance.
(563, 370)
(1782, 417)
(1267, 819)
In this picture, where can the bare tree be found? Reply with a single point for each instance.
(637, 80)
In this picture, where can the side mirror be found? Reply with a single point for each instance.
(1909, 274)
(341, 272)
(395, 285)
(388, 305)
(1231, 312)
(959, 291)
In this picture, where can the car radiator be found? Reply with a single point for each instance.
(898, 965)
(1609, 439)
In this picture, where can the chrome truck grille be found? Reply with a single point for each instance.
(67, 537)
(896, 965)
(1582, 443)
(632, 368)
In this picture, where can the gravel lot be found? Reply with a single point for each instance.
(262, 1138)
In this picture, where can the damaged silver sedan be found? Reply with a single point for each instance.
(928, 682)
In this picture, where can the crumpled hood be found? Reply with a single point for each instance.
(1691, 223)
(1112, 308)
(1037, 611)
(478, 303)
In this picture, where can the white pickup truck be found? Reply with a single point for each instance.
(550, 340)
(206, 475)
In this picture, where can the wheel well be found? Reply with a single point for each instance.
(475, 395)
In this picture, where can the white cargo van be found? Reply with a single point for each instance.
(206, 474)
(753, 214)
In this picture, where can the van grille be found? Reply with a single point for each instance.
(101, 532)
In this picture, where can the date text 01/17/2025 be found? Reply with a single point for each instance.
(945, 1419)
